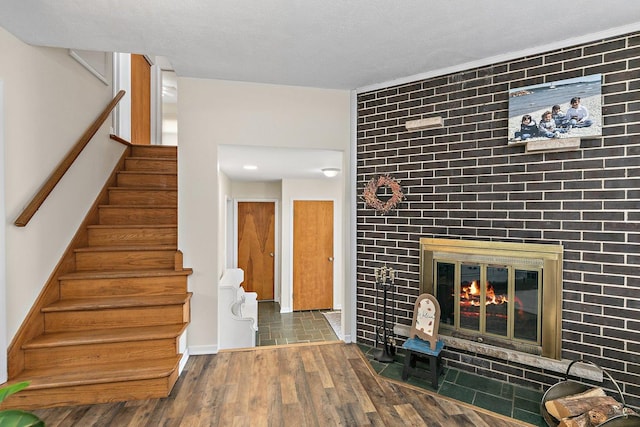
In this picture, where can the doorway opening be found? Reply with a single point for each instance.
(301, 180)
(148, 111)
(276, 328)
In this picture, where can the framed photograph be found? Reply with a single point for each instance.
(570, 108)
(96, 62)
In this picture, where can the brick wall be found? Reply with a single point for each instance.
(463, 181)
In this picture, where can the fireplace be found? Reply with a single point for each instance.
(503, 294)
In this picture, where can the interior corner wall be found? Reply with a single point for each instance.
(213, 112)
(224, 193)
(49, 102)
(122, 81)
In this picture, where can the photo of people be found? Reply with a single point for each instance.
(563, 109)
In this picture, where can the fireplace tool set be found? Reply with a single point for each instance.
(385, 278)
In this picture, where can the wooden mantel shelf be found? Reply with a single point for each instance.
(553, 145)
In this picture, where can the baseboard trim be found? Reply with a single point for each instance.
(196, 350)
(183, 362)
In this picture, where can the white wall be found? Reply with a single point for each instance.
(122, 81)
(256, 190)
(214, 112)
(224, 193)
(3, 276)
(49, 101)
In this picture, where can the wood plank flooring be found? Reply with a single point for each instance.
(318, 384)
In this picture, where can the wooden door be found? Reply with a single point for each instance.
(312, 255)
(140, 100)
(256, 247)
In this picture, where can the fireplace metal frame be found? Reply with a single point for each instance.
(550, 257)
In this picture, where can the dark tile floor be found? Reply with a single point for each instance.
(275, 328)
(496, 396)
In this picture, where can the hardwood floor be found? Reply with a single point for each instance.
(318, 384)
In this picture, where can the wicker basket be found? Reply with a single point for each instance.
(567, 388)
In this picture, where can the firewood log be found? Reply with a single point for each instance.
(579, 421)
(602, 413)
(571, 407)
(593, 392)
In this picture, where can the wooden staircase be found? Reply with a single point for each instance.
(112, 333)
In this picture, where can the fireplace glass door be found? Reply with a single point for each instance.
(496, 300)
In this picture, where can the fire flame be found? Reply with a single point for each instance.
(470, 295)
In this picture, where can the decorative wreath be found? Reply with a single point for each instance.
(370, 195)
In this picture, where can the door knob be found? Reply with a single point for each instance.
(270, 253)
(330, 259)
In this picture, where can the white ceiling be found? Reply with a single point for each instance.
(338, 44)
(341, 44)
(275, 163)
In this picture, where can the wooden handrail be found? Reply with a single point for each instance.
(66, 163)
(120, 140)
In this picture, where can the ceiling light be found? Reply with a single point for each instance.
(330, 172)
(250, 167)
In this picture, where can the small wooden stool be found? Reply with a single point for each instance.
(423, 342)
(415, 348)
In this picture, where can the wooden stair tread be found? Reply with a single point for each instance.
(98, 373)
(132, 188)
(147, 173)
(117, 274)
(172, 149)
(132, 226)
(100, 336)
(127, 248)
(100, 303)
(133, 206)
(165, 159)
